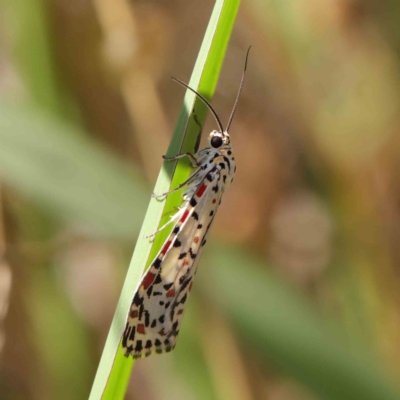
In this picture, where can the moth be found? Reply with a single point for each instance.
(158, 305)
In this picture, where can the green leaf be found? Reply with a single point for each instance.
(114, 369)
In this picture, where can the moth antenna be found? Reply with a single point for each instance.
(205, 101)
(239, 91)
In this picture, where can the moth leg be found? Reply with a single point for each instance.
(190, 156)
(182, 185)
(158, 230)
(172, 212)
(173, 219)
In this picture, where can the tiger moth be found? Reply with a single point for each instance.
(158, 305)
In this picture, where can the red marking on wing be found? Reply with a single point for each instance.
(201, 190)
(184, 216)
(134, 314)
(196, 239)
(185, 262)
(140, 329)
(171, 293)
(166, 247)
(147, 281)
(214, 201)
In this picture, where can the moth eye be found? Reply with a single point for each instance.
(216, 142)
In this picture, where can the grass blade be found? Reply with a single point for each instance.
(283, 328)
(114, 370)
(57, 166)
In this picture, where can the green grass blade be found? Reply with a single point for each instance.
(114, 369)
(282, 327)
(69, 175)
(32, 47)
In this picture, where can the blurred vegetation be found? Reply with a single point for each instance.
(87, 109)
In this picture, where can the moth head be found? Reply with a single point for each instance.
(218, 139)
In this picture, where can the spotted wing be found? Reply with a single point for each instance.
(157, 308)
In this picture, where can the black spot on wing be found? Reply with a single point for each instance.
(126, 334)
(137, 300)
(146, 319)
(226, 159)
(141, 310)
(184, 298)
(132, 334)
(175, 325)
(139, 346)
(157, 263)
(129, 350)
(192, 255)
(185, 284)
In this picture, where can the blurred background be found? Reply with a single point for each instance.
(87, 109)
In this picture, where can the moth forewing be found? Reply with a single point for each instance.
(159, 304)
